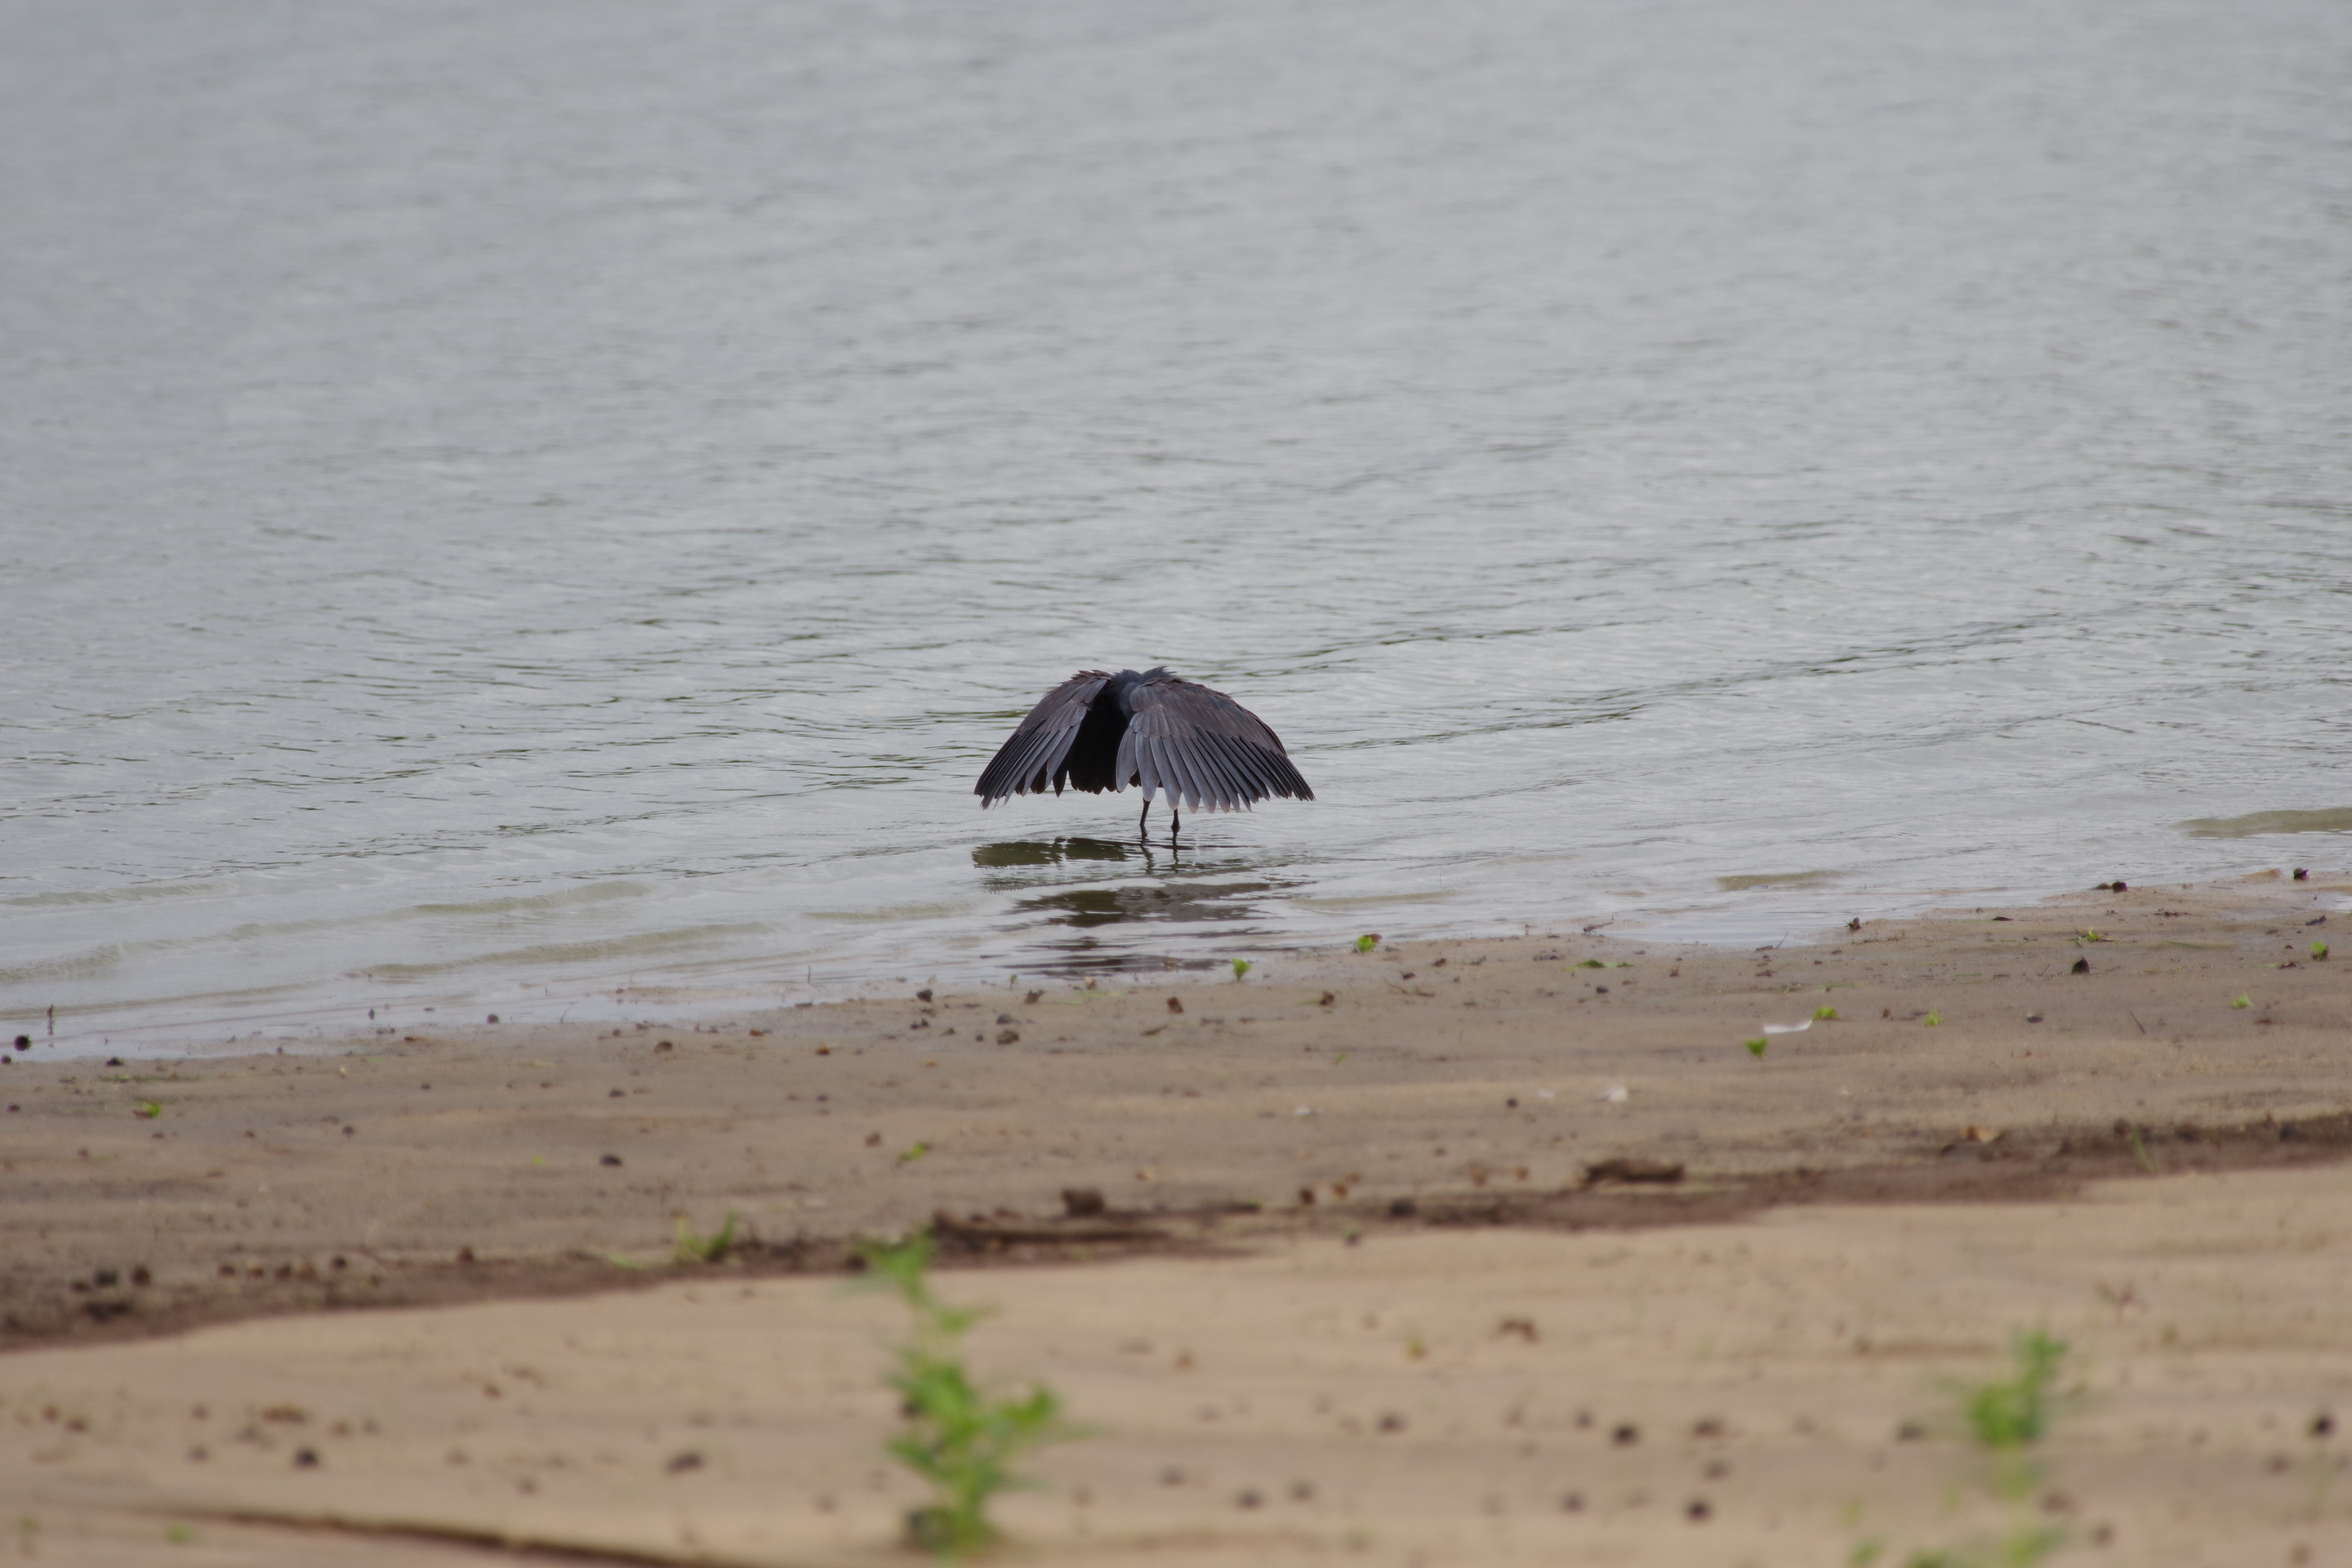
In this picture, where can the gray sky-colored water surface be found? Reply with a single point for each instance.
(545, 506)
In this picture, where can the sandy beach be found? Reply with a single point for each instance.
(1479, 1252)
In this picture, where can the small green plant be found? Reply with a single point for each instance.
(2241, 1000)
(1242, 966)
(1369, 940)
(149, 1109)
(1825, 1015)
(711, 1249)
(1592, 964)
(2319, 949)
(958, 1437)
(2029, 1545)
(2088, 934)
(1932, 1019)
(2007, 1418)
(916, 1152)
(1756, 1047)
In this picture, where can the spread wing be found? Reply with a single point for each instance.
(1026, 763)
(1203, 748)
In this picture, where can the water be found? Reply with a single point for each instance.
(546, 508)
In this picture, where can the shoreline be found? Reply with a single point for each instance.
(132, 1030)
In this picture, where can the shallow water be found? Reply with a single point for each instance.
(546, 508)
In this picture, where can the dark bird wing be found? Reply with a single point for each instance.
(1026, 763)
(1203, 748)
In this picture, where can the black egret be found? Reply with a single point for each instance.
(1099, 731)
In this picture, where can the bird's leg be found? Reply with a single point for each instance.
(1140, 822)
(1175, 822)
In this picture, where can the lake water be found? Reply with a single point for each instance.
(545, 506)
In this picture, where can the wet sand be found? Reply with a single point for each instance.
(1406, 1201)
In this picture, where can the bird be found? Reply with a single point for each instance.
(1098, 731)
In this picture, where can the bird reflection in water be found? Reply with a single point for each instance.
(1188, 891)
(1177, 901)
(1035, 852)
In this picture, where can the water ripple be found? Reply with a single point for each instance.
(552, 508)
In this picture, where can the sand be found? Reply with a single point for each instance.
(1359, 1287)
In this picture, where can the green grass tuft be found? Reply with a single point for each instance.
(2007, 1418)
(712, 1248)
(2011, 1416)
(958, 1437)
